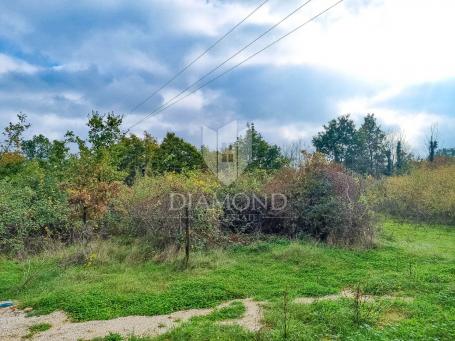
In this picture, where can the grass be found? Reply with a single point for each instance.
(37, 328)
(235, 310)
(410, 260)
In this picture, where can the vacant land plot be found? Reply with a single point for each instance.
(404, 288)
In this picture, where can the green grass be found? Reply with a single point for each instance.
(410, 260)
(37, 328)
(235, 310)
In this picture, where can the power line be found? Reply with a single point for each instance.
(186, 67)
(167, 105)
(226, 61)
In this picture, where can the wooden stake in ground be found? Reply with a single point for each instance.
(187, 236)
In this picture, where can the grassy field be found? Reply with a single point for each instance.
(415, 261)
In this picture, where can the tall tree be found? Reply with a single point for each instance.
(91, 183)
(432, 144)
(12, 160)
(338, 140)
(371, 143)
(263, 155)
(40, 148)
(401, 157)
(14, 134)
(176, 155)
(104, 130)
(134, 155)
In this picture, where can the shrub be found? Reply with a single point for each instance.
(241, 200)
(154, 208)
(31, 207)
(426, 194)
(320, 199)
(323, 201)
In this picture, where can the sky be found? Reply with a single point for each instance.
(59, 60)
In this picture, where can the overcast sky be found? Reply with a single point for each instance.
(395, 58)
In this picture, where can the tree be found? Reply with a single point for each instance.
(48, 153)
(337, 141)
(447, 152)
(104, 130)
(263, 155)
(401, 157)
(176, 155)
(371, 147)
(390, 168)
(11, 158)
(432, 144)
(92, 182)
(134, 155)
(92, 178)
(10, 164)
(364, 150)
(14, 134)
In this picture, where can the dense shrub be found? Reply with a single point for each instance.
(426, 194)
(154, 208)
(323, 201)
(32, 208)
(241, 200)
(320, 199)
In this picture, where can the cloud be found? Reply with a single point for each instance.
(11, 64)
(391, 41)
(412, 111)
(58, 61)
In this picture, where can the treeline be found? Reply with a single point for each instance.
(63, 189)
(366, 150)
(109, 183)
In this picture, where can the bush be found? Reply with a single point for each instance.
(426, 194)
(320, 199)
(325, 202)
(241, 200)
(154, 208)
(32, 206)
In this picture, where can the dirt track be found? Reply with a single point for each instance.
(14, 324)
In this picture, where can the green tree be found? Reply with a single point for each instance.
(176, 155)
(363, 150)
(11, 164)
(403, 159)
(371, 152)
(32, 206)
(390, 165)
(49, 154)
(447, 152)
(432, 145)
(263, 155)
(338, 140)
(134, 155)
(14, 134)
(104, 130)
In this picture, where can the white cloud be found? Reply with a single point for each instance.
(285, 134)
(391, 41)
(391, 44)
(195, 17)
(10, 64)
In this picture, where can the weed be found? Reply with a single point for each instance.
(37, 328)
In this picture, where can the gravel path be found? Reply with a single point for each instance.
(14, 324)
